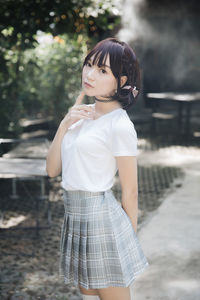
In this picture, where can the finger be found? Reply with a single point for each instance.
(80, 98)
(82, 116)
(82, 113)
(83, 107)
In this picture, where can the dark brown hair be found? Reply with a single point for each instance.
(123, 61)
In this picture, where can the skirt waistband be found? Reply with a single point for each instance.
(85, 194)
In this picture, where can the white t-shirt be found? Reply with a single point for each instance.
(89, 148)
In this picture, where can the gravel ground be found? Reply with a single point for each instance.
(29, 265)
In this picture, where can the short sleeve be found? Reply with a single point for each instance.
(124, 139)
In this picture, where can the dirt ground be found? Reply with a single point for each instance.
(29, 264)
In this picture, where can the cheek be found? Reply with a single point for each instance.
(112, 83)
(84, 72)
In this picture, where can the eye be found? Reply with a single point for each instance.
(88, 64)
(103, 71)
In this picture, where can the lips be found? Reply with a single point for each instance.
(88, 85)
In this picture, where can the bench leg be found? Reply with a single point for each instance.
(180, 116)
(37, 227)
(44, 196)
(188, 115)
(14, 189)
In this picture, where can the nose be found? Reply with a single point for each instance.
(91, 74)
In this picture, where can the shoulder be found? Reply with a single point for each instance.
(122, 124)
(123, 137)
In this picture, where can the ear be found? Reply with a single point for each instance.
(123, 80)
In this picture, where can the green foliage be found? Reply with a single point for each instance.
(10, 111)
(52, 75)
(10, 107)
(46, 78)
(90, 17)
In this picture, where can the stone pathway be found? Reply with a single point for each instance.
(30, 267)
(170, 238)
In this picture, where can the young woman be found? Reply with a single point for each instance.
(99, 249)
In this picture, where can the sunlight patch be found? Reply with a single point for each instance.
(13, 221)
(186, 285)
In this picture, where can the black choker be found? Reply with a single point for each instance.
(104, 100)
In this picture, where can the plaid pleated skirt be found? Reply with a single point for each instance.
(98, 247)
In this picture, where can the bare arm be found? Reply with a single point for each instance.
(53, 161)
(127, 167)
(76, 112)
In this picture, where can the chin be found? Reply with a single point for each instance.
(88, 93)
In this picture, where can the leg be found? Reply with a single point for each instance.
(88, 292)
(117, 293)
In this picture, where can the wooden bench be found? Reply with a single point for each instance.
(25, 169)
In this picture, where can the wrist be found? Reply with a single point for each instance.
(64, 126)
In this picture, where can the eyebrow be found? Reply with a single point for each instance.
(103, 65)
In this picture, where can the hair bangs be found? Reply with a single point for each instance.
(98, 56)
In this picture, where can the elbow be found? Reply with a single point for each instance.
(52, 172)
(49, 173)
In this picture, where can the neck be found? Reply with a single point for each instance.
(105, 107)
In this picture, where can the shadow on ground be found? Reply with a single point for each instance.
(29, 265)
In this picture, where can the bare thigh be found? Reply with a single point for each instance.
(88, 292)
(117, 293)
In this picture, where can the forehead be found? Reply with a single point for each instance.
(100, 59)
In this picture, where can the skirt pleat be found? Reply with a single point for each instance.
(83, 256)
(98, 246)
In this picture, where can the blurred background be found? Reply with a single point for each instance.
(42, 47)
(43, 44)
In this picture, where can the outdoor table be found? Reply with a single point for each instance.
(26, 168)
(183, 99)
